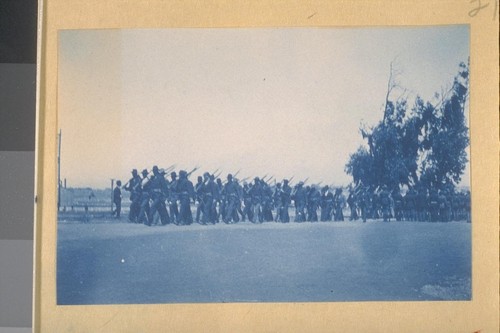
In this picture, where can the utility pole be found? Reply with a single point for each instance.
(59, 172)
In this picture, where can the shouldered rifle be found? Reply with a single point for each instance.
(191, 172)
(167, 170)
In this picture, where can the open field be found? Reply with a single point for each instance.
(115, 262)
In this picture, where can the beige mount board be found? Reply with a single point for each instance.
(481, 314)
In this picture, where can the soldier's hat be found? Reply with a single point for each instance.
(300, 183)
(145, 172)
(183, 173)
(206, 174)
(155, 169)
(257, 179)
(173, 174)
(134, 172)
(229, 176)
(285, 181)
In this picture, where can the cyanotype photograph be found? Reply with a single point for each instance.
(230, 165)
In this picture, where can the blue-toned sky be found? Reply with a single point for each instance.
(284, 102)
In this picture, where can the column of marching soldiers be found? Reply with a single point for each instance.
(232, 200)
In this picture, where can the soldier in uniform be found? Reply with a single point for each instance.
(434, 205)
(134, 187)
(444, 206)
(256, 195)
(398, 204)
(186, 193)
(117, 199)
(230, 193)
(239, 189)
(199, 198)
(173, 197)
(299, 197)
(267, 206)
(422, 205)
(220, 201)
(376, 204)
(385, 203)
(216, 201)
(247, 202)
(365, 203)
(144, 206)
(158, 190)
(455, 205)
(313, 203)
(277, 202)
(209, 193)
(284, 197)
(467, 206)
(326, 204)
(338, 205)
(351, 201)
(410, 205)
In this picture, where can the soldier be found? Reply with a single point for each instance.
(313, 202)
(256, 195)
(239, 188)
(230, 193)
(434, 205)
(351, 201)
(398, 204)
(277, 202)
(158, 190)
(326, 204)
(422, 205)
(307, 189)
(444, 206)
(247, 202)
(467, 201)
(299, 197)
(209, 193)
(216, 201)
(385, 203)
(144, 207)
(365, 203)
(410, 205)
(186, 193)
(267, 195)
(455, 205)
(338, 205)
(117, 199)
(219, 206)
(376, 208)
(173, 197)
(199, 197)
(284, 197)
(134, 187)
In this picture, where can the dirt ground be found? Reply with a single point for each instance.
(110, 262)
